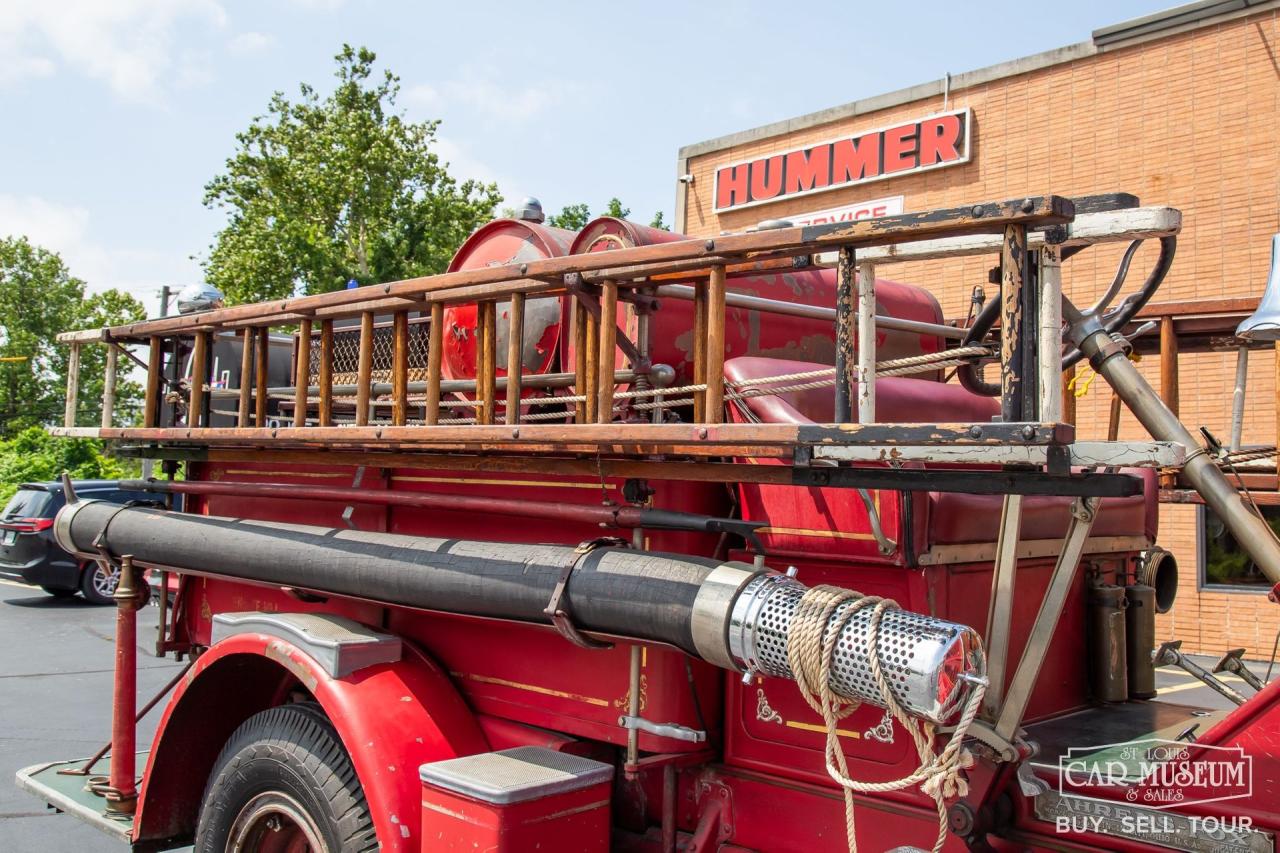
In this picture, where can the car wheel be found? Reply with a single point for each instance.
(97, 584)
(284, 781)
(59, 593)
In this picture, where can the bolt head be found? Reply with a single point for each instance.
(975, 431)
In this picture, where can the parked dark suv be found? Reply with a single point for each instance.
(27, 549)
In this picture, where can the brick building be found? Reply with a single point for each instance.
(1181, 108)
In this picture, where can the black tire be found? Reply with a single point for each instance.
(96, 585)
(285, 764)
(59, 593)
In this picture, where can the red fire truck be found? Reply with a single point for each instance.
(622, 540)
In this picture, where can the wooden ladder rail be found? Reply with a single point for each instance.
(325, 371)
(400, 368)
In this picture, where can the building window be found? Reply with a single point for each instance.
(1224, 565)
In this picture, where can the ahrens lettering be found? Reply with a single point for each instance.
(927, 143)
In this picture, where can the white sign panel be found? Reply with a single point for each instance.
(890, 206)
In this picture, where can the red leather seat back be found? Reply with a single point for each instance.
(834, 523)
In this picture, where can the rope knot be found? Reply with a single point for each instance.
(816, 626)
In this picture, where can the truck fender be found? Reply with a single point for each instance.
(391, 716)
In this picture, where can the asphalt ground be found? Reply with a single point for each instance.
(55, 701)
(56, 659)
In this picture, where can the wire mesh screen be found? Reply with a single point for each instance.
(346, 353)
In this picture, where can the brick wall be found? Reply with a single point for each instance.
(1190, 121)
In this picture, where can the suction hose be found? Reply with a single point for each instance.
(730, 614)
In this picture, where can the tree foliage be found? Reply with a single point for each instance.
(34, 456)
(572, 217)
(575, 216)
(324, 190)
(38, 299)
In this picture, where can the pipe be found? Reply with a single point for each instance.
(865, 369)
(1237, 399)
(453, 386)
(1108, 358)
(669, 786)
(624, 516)
(122, 796)
(730, 614)
(812, 312)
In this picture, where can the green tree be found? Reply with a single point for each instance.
(575, 216)
(38, 299)
(324, 190)
(35, 456)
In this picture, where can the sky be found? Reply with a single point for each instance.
(117, 112)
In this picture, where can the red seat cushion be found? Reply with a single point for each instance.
(899, 399)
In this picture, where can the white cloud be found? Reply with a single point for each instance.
(464, 166)
(126, 43)
(250, 42)
(478, 92)
(66, 229)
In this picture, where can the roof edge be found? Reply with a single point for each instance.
(1168, 22)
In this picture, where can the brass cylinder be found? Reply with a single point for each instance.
(1159, 569)
(1140, 639)
(1108, 670)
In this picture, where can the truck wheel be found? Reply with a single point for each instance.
(284, 782)
(98, 585)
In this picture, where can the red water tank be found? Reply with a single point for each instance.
(750, 332)
(505, 241)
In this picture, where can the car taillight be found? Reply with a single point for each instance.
(28, 525)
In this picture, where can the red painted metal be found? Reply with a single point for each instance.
(625, 516)
(572, 821)
(123, 796)
(391, 718)
(505, 241)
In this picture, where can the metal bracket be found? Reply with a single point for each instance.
(1169, 655)
(671, 730)
(348, 512)
(591, 302)
(886, 545)
(558, 609)
(1083, 513)
(1233, 662)
(1003, 748)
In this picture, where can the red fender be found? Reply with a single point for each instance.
(391, 717)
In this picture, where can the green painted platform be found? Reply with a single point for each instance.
(70, 794)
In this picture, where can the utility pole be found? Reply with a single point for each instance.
(148, 465)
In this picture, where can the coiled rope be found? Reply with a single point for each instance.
(811, 648)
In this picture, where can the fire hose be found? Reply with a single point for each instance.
(740, 617)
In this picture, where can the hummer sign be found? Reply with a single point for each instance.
(913, 146)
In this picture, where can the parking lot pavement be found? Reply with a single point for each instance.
(55, 701)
